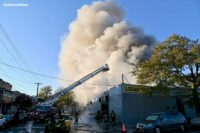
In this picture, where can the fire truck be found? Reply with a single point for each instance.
(43, 108)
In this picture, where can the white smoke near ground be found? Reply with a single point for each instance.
(97, 36)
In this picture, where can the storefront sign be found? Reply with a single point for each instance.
(129, 89)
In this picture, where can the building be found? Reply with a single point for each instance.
(5, 85)
(131, 104)
(7, 96)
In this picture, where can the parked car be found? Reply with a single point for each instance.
(158, 122)
(22, 116)
(67, 119)
(195, 122)
(2, 121)
(8, 119)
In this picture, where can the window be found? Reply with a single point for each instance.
(152, 118)
(177, 116)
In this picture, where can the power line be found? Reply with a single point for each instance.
(35, 63)
(21, 69)
(20, 81)
(23, 61)
(12, 44)
(15, 88)
(10, 78)
(15, 70)
(9, 51)
(4, 45)
(5, 74)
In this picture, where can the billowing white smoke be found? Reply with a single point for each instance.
(99, 35)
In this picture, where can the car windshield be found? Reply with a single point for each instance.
(43, 108)
(47, 108)
(152, 117)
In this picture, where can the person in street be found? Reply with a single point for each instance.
(76, 118)
(59, 123)
(106, 119)
(46, 120)
(113, 118)
(50, 124)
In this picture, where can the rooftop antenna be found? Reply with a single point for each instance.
(124, 77)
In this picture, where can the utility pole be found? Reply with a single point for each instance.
(38, 84)
(122, 78)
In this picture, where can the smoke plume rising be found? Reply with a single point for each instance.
(97, 36)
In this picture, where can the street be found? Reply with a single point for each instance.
(30, 127)
(25, 127)
(86, 124)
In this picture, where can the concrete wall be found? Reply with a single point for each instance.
(132, 107)
(136, 107)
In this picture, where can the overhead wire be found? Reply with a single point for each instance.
(48, 76)
(4, 45)
(23, 61)
(8, 38)
(12, 80)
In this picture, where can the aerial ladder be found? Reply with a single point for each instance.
(50, 101)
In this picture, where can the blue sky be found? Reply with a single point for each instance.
(36, 31)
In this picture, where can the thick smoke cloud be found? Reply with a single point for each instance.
(99, 35)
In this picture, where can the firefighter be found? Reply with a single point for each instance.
(46, 120)
(76, 118)
(113, 118)
(59, 123)
(106, 119)
(50, 124)
(98, 116)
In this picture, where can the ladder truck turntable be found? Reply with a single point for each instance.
(47, 106)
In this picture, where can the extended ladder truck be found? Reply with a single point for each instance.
(45, 107)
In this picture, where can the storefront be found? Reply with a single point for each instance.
(131, 103)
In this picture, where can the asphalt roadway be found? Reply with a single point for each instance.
(30, 127)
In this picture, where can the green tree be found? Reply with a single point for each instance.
(59, 89)
(65, 101)
(45, 92)
(174, 63)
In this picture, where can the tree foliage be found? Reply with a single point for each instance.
(65, 101)
(59, 89)
(45, 92)
(174, 62)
